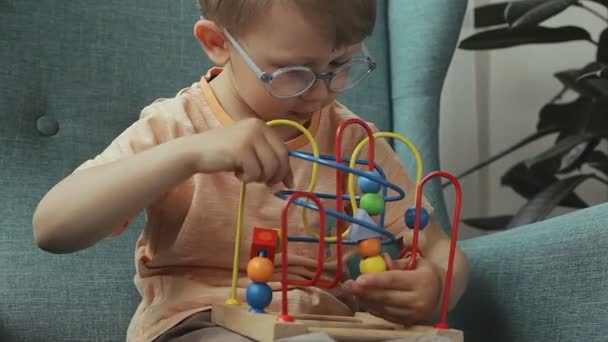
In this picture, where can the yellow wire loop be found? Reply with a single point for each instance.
(357, 150)
(239, 222)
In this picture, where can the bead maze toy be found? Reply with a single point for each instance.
(368, 236)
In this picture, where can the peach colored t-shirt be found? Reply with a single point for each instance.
(184, 255)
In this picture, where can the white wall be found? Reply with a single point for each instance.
(492, 99)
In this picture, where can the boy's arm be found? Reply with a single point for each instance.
(92, 203)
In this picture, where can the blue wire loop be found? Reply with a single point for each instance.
(329, 161)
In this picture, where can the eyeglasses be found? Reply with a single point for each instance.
(292, 81)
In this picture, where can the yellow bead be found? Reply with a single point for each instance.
(372, 264)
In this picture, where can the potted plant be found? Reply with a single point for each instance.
(550, 178)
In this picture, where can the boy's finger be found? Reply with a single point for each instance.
(249, 168)
(288, 180)
(281, 156)
(392, 279)
(267, 158)
(396, 298)
(398, 264)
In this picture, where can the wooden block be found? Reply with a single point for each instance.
(264, 239)
(359, 328)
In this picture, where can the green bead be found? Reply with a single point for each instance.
(372, 203)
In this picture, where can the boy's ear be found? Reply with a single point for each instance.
(213, 41)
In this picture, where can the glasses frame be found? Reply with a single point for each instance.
(327, 77)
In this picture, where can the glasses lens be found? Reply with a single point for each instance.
(291, 82)
(350, 75)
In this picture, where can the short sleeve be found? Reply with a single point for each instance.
(153, 127)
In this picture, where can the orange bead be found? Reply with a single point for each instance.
(260, 269)
(369, 247)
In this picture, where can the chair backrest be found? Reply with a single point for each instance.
(423, 36)
(75, 75)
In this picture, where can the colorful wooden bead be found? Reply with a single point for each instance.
(369, 247)
(367, 185)
(372, 203)
(259, 296)
(372, 264)
(410, 217)
(260, 269)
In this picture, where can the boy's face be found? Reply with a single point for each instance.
(285, 37)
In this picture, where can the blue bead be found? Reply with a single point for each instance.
(259, 296)
(367, 185)
(410, 217)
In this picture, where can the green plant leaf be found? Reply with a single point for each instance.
(562, 147)
(578, 156)
(539, 207)
(569, 78)
(578, 80)
(494, 223)
(581, 117)
(599, 161)
(530, 181)
(565, 116)
(505, 37)
(525, 141)
(593, 70)
(527, 13)
(490, 14)
(602, 47)
(600, 72)
(598, 120)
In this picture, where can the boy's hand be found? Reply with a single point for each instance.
(399, 296)
(249, 148)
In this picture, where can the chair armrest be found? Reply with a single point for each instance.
(546, 281)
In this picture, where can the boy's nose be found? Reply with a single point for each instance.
(318, 91)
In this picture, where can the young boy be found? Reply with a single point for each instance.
(184, 159)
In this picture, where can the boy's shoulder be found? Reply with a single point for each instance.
(338, 113)
(185, 100)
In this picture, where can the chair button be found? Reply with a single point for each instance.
(47, 125)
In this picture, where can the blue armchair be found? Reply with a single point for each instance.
(542, 282)
(77, 73)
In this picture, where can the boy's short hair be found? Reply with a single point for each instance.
(351, 21)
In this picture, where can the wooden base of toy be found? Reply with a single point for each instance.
(359, 328)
